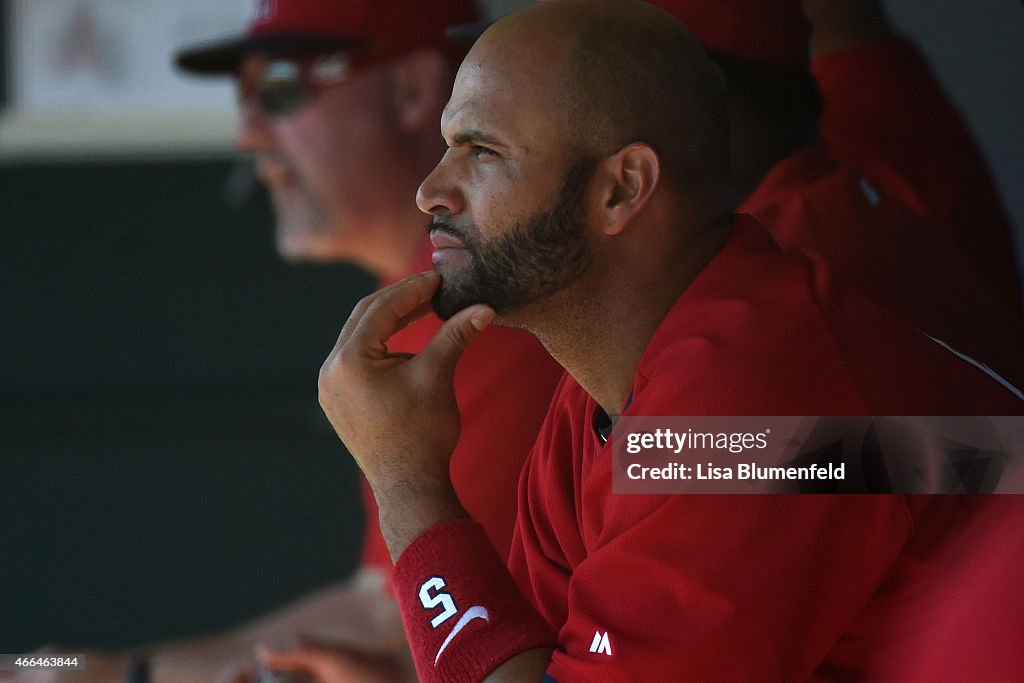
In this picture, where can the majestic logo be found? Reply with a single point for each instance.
(601, 644)
(262, 11)
(474, 612)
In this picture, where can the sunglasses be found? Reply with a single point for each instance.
(282, 86)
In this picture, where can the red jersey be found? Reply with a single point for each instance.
(733, 588)
(503, 384)
(950, 611)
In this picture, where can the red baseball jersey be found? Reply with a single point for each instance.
(734, 588)
(949, 611)
(503, 384)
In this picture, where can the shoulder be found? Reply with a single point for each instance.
(751, 335)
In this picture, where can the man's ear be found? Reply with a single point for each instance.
(420, 85)
(625, 181)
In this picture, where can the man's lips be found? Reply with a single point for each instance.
(442, 240)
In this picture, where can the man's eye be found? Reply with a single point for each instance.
(479, 151)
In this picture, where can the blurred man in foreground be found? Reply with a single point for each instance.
(339, 102)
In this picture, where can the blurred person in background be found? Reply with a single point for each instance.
(862, 160)
(338, 106)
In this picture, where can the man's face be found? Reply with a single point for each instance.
(325, 163)
(508, 197)
(531, 258)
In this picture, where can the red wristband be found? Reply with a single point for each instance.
(462, 610)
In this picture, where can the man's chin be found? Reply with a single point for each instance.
(447, 302)
(453, 295)
(303, 243)
(446, 305)
(303, 251)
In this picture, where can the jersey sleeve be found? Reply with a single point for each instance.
(697, 588)
(886, 114)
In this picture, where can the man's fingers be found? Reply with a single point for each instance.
(389, 310)
(301, 658)
(423, 309)
(409, 292)
(445, 349)
(239, 672)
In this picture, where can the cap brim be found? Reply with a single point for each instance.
(464, 35)
(224, 56)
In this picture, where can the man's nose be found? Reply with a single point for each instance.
(439, 194)
(254, 131)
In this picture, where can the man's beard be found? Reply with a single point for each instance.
(304, 230)
(539, 256)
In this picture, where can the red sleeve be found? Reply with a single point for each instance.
(954, 610)
(886, 115)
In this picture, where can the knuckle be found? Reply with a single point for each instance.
(323, 381)
(459, 336)
(348, 361)
(361, 307)
(334, 372)
(380, 307)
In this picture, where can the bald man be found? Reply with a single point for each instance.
(569, 204)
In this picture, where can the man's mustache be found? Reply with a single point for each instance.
(452, 230)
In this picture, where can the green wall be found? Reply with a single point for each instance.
(164, 467)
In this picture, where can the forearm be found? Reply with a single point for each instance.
(466, 619)
(887, 115)
(398, 415)
(407, 509)
(841, 24)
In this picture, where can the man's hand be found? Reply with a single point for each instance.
(327, 663)
(396, 413)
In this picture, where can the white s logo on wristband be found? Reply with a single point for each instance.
(474, 612)
(433, 600)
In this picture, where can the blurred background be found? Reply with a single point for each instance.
(164, 466)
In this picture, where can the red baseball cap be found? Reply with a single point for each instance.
(772, 31)
(377, 29)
